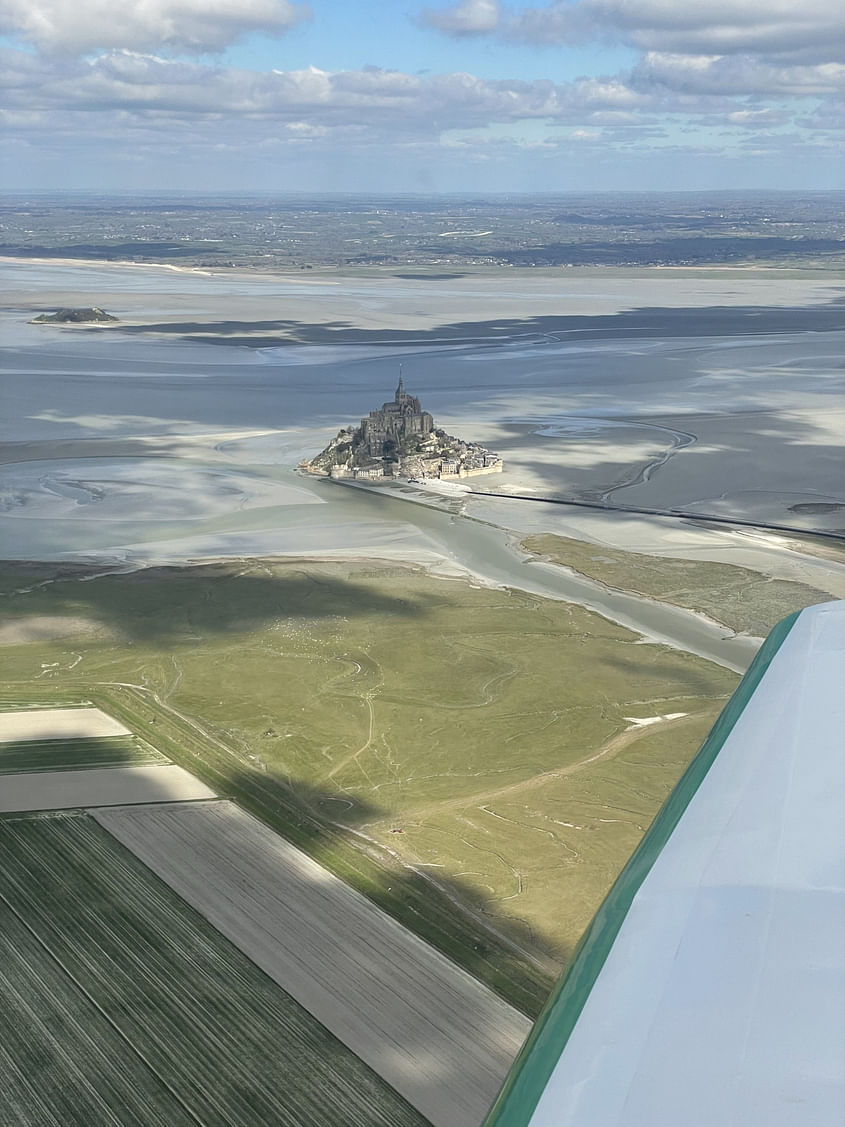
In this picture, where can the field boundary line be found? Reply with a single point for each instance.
(190, 745)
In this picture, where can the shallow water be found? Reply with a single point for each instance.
(713, 420)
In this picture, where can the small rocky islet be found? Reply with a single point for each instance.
(90, 315)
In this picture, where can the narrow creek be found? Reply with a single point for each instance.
(493, 555)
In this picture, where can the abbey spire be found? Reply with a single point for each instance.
(400, 439)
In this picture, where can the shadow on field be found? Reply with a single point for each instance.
(447, 911)
(174, 604)
(681, 677)
(33, 756)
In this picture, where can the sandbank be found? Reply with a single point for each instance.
(334, 307)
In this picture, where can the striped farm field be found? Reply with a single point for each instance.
(73, 754)
(122, 1006)
(92, 1072)
(433, 1032)
(11, 703)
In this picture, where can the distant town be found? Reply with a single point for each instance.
(430, 234)
(400, 439)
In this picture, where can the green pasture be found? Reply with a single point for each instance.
(461, 755)
(745, 600)
(121, 1004)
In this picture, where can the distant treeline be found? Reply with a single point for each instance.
(105, 251)
(692, 251)
(663, 252)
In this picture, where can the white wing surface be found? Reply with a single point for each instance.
(710, 988)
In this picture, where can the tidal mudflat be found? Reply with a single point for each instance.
(745, 600)
(713, 393)
(519, 742)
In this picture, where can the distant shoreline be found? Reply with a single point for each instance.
(319, 271)
(61, 261)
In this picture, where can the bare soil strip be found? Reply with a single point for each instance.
(58, 724)
(106, 786)
(434, 1033)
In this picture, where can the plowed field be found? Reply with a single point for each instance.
(436, 1034)
(122, 1006)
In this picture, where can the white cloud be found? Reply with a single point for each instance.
(754, 119)
(185, 26)
(382, 100)
(470, 17)
(693, 57)
(830, 115)
(801, 30)
(727, 27)
(121, 104)
(393, 102)
(735, 75)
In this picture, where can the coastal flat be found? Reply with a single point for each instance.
(743, 599)
(333, 304)
(434, 1033)
(715, 393)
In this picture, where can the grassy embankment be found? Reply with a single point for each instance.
(344, 703)
(745, 600)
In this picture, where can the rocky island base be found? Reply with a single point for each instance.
(91, 315)
(399, 439)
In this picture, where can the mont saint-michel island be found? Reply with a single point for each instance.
(399, 439)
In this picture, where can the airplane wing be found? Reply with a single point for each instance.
(710, 988)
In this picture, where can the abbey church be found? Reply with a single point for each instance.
(391, 428)
(399, 439)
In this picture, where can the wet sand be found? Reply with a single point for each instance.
(133, 444)
(382, 301)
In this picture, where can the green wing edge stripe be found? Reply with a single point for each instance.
(530, 1073)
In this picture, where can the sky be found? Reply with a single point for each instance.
(477, 96)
